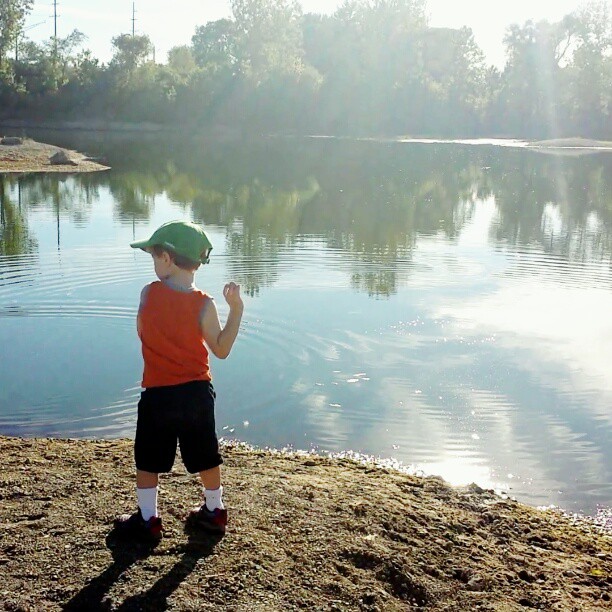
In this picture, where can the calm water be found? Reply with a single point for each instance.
(448, 306)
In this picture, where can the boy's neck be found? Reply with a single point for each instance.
(180, 279)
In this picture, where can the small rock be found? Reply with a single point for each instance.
(369, 599)
(462, 574)
(11, 140)
(61, 158)
(569, 574)
(526, 576)
(476, 583)
(432, 571)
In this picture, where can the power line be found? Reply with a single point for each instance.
(21, 35)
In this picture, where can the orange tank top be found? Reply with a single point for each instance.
(172, 344)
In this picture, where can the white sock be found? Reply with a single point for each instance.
(213, 498)
(147, 502)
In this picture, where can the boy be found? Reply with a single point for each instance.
(176, 323)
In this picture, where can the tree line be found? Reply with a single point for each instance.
(373, 68)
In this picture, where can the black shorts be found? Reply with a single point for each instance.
(180, 413)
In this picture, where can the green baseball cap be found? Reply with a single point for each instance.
(181, 237)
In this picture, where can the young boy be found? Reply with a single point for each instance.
(176, 323)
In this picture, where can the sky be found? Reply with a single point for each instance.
(169, 24)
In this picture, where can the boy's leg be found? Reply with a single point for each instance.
(146, 490)
(211, 479)
(144, 523)
(154, 445)
(211, 515)
(213, 491)
(200, 453)
(146, 480)
(198, 439)
(154, 450)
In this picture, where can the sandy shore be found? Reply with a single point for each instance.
(32, 156)
(305, 532)
(577, 143)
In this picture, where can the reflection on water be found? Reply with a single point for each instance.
(444, 305)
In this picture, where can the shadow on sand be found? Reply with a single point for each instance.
(94, 596)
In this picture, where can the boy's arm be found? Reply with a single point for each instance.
(220, 340)
(143, 296)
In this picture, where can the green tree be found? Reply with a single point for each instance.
(62, 52)
(57, 76)
(369, 53)
(12, 18)
(139, 88)
(380, 17)
(130, 52)
(181, 61)
(87, 69)
(530, 81)
(588, 76)
(268, 36)
(214, 44)
(461, 79)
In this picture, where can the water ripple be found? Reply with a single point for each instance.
(61, 309)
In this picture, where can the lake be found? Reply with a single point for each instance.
(445, 306)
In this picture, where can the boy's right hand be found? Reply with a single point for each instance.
(231, 293)
(220, 340)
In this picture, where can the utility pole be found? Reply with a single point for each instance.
(133, 19)
(55, 26)
(55, 43)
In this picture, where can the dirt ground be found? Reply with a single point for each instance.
(305, 532)
(32, 156)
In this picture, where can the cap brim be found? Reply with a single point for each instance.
(140, 244)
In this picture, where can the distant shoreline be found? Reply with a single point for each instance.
(32, 156)
(573, 143)
(225, 131)
(24, 155)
